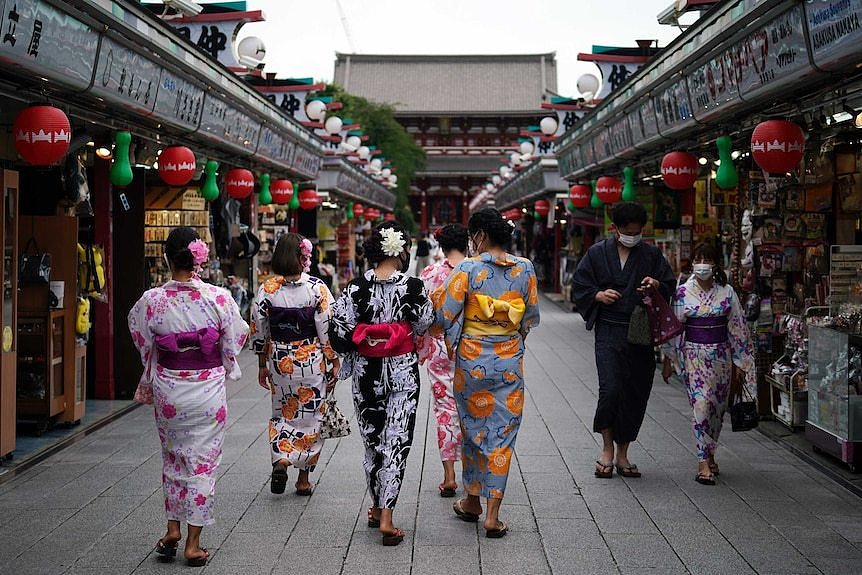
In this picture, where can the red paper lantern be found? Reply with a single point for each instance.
(42, 135)
(369, 214)
(389, 217)
(679, 170)
(580, 195)
(177, 165)
(515, 214)
(542, 207)
(358, 210)
(777, 145)
(308, 199)
(239, 183)
(609, 189)
(281, 190)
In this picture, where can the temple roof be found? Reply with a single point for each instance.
(471, 84)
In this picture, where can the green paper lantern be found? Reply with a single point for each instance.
(349, 212)
(629, 191)
(570, 207)
(265, 196)
(209, 190)
(121, 170)
(595, 202)
(293, 204)
(726, 177)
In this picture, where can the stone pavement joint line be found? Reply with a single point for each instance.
(96, 507)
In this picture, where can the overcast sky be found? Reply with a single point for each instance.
(302, 37)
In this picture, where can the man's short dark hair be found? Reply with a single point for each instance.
(626, 213)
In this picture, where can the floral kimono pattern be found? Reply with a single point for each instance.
(190, 404)
(706, 367)
(432, 352)
(385, 389)
(487, 308)
(297, 365)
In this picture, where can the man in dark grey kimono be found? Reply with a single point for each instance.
(606, 288)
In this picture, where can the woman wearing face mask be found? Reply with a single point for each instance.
(715, 339)
(487, 307)
(374, 324)
(606, 288)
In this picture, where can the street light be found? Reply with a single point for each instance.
(363, 152)
(588, 86)
(315, 110)
(526, 149)
(548, 126)
(333, 125)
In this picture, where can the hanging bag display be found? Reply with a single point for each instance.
(34, 266)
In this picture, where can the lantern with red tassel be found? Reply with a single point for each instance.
(177, 165)
(308, 199)
(42, 135)
(580, 195)
(281, 190)
(777, 145)
(239, 183)
(679, 170)
(609, 189)
(542, 207)
(358, 211)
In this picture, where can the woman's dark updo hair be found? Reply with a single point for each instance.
(707, 251)
(287, 258)
(372, 246)
(491, 222)
(177, 248)
(452, 237)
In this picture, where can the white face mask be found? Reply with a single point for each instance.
(702, 271)
(630, 241)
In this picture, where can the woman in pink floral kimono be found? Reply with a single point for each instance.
(432, 352)
(189, 334)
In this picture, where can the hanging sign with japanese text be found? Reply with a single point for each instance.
(216, 34)
(713, 84)
(835, 30)
(224, 123)
(126, 77)
(648, 120)
(178, 101)
(613, 76)
(47, 42)
(673, 109)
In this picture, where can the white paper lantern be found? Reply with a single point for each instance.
(333, 125)
(588, 84)
(354, 141)
(363, 152)
(548, 126)
(526, 149)
(496, 180)
(489, 186)
(315, 110)
(515, 158)
(504, 170)
(376, 164)
(251, 51)
(393, 179)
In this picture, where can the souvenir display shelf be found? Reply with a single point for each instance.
(834, 423)
(165, 210)
(272, 223)
(40, 391)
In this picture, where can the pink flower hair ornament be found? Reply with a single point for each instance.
(200, 251)
(305, 250)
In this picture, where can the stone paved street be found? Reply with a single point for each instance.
(96, 507)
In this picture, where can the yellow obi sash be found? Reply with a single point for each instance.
(490, 316)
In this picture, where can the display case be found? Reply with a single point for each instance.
(40, 388)
(834, 423)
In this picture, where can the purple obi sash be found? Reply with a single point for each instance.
(706, 330)
(288, 324)
(190, 350)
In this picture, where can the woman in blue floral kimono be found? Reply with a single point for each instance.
(487, 308)
(716, 338)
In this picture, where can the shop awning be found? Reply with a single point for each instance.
(343, 178)
(540, 179)
(114, 60)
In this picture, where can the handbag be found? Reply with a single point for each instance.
(664, 324)
(640, 331)
(743, 411)
(34, 268)
(334, 424)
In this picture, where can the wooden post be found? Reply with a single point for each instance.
(104, 311)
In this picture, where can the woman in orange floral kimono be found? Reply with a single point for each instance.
(290, 335)
(487, 308)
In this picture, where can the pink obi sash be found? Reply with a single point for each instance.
(190, 350)
(383, 339)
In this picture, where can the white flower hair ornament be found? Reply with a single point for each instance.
(393, 242)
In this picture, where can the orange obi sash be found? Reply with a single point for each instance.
(491, 316)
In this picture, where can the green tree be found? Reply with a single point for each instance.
(383, 130)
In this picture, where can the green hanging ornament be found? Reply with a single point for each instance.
(293, 204)
(264, 198)
(536, 216)
(726, 177)
(595, 202)
(209, 190)
(349, 212)
(121, 170)
(570, 207)
(629, 190)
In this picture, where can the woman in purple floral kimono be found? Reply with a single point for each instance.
(189, 334)
(715, 340)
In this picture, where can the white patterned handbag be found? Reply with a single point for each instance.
(335, 423)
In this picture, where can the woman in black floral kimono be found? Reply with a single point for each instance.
(374, 324)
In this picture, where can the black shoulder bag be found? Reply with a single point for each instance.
(34, 267)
